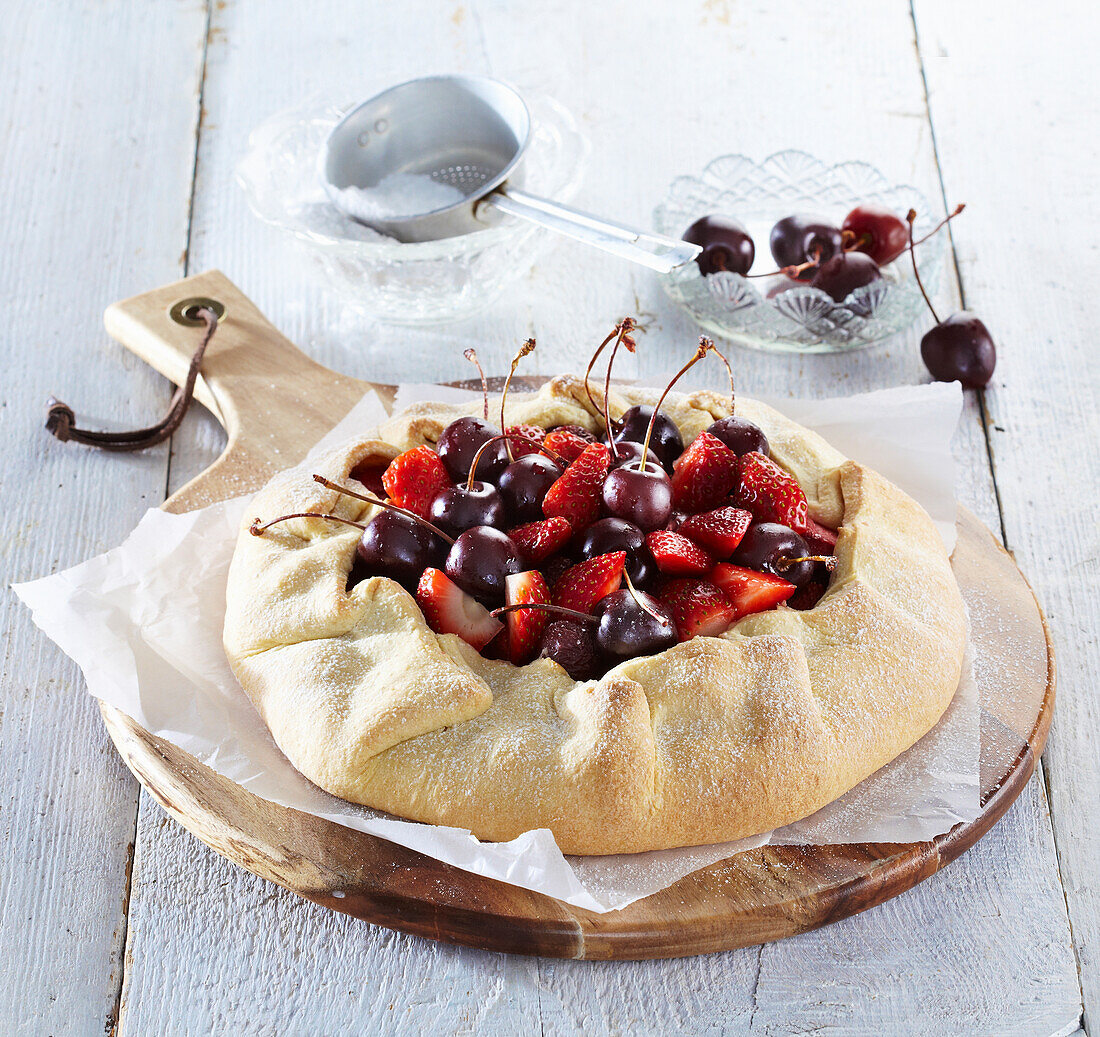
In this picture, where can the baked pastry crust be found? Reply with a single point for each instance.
(715, 739)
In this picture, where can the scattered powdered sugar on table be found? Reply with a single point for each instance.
(398, 195)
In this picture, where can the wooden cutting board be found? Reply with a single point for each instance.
(266, 393)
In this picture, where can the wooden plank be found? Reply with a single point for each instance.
(100, 108)
(1036, 107)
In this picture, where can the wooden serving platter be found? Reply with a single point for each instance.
(265, 393)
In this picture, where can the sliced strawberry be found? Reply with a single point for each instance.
(450, 610)
(718, 531)
(581, 586)
(525, 626)
(820, 539)
(525, 439)
(806, 597)
(704, 474)
(750, 591)
(779, 498)
(539, 540)
(575, 495)
(675, 555)
(697, 607)
(414, 478)
(564, 442)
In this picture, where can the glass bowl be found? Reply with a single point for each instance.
(405, 283)
(797, 319)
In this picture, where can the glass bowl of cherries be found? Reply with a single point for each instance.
(798, 255)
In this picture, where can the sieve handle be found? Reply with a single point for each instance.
(652, 250)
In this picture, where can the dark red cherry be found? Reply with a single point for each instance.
(666, 441)
(878, 232)
(740, 435)
(480, 560)
(458, 508)
(572, 646)
(798, 239)
(398, 547)
(642, 496)
(844, 273)
(461, 440)
(633, 623)
(726, 245)
(555, 567)
(523, 485)
(960, 349)
(615, 534)
(626, 451)
(767, 546)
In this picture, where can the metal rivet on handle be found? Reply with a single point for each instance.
(185, 311)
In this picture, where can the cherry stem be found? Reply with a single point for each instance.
(347, 492)
(471, 355)
(525, 350)
(258, 528)
(829, 561)
(939, 226)
(626, 325)
(538, 606)
(910, 218)
(729, 371)
(592, 363)
(641, 604)
(705, 346)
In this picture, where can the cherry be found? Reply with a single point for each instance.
(400, 548)
(627, 451)
(959, 349)
(772, 548)
(458, 508)
(801, 239)
(844, 273)
(615, 534)
(577, 430)
(878, 232)
(572, 645)
(740, 435)
(523, 485)
(479, 561)
(666, 442)
(460, 442)
(633, 623)
(726, 245)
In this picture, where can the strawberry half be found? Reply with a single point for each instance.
(704, 474)
(820, 539)
(565, 442)
(779, 498)
(582, 585)
(675, 555)
(526, 439)
(450, 610)
(719, 531)
(525, 626)
(750, 591)
(575, 495)
(697, 607)
(539, 540)
(413, 479)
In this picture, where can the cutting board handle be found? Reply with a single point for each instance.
(273, 401)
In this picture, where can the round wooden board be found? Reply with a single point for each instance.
(763, 894)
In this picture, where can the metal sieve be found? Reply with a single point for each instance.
(469, 133)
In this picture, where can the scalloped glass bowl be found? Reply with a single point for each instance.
(404, 283)
(799, 319)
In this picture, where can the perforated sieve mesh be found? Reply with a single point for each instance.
(468, 178)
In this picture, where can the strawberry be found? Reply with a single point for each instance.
(575, 495)
(450, 610)
(719, 531)
(581, 586)
(806, 597)
(704, 474)
(525, 626)
(539, 540)
(675, 555)
(697, 607)
(526, 439)
(566, 442)
(820, 539)
(750, 591)
(413, 479)
(779, 498)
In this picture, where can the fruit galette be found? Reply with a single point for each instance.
(639, 620)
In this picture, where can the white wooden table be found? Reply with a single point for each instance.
(121, 123)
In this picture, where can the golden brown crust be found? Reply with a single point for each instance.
(713, 740)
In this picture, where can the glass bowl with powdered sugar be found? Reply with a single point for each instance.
(406, 283)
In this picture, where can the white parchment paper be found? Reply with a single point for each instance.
(144, 623)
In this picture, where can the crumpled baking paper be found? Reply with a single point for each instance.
(144, 623)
